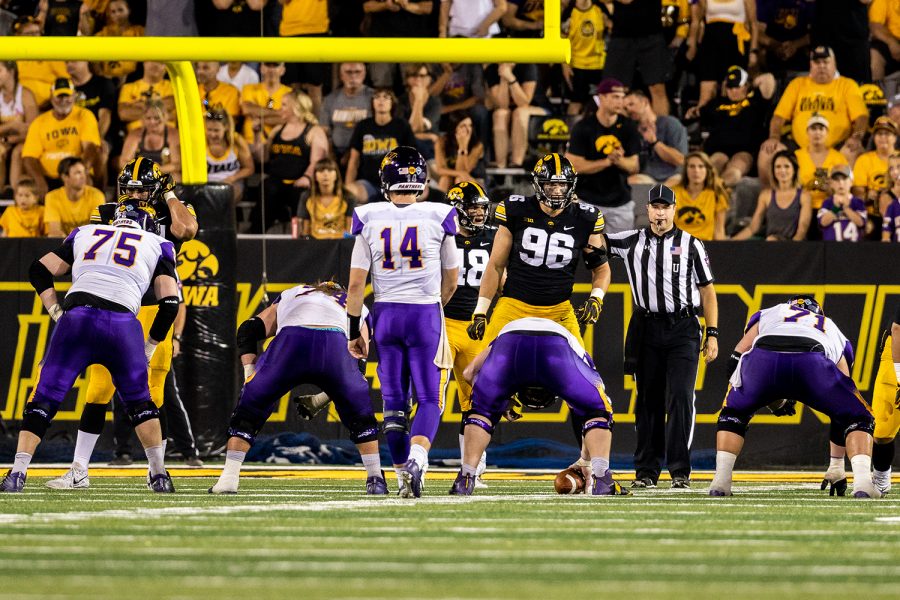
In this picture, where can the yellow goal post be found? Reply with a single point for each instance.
(177, 52)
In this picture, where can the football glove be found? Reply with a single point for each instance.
(835, 488)
(513, 411)
(56, 312)
(784, 408)
(167, 183)
(897, 397)
(589, 312)
(310, 405)
(477, 327)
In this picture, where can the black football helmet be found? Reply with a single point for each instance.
(131, 215)
(141, 175)
(403, 170)
(554, 168)
(535, 398)
(806, 302)
(467, 197)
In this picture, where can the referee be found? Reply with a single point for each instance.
(670, 278)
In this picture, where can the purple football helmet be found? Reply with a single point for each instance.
(129, 215)
(403, 170)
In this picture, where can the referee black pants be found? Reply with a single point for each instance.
(665, 377)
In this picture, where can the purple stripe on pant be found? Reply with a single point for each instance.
(86, 336)
(315, 356)
(808, 377)
(408, 336)
(520, 360)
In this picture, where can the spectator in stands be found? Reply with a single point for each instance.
(786, 209)
(61, 17)
(214, 92)
(325, 213)
(729, 38)
(228, 158)
(396, 18)
(156, 139)
(237, 74)
(65, 130)
(604, 151)
(26, 217)
(98, 95)
(420, 108)
(172, 18)
(836, 98)
(783, 27)
(458, 155)
(292, 150)
(889, 202)
(736, 123)
(870, 171)
(234, 18)
(817, 159)
(844, 26)
(37, 75)
(586, 34)
(701, 199)
(842, 217)
(663, 145)
(345, 107)
(134, 96)
(884, 23)
(118, 24)
(71, 205)
(261, 105)
(511, 92)
(470, 18)
(637, 44)
(306, 18)
(524, 18)
(17, 110)
(371, 140)
(461, 87)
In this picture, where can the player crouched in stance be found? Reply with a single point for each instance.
(794, 351)
(310, 346)
(540, 360)
(112, 267)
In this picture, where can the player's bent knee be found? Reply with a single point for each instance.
(604, 421)
(733, 422)
(141, 412)
(479, 421)
(245, 425)
(37, 416)
(363, 429)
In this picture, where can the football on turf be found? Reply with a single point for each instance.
(569, 481)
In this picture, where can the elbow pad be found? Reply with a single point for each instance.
(597, 257)
(40, 276)
(249, 334)
(168, 310)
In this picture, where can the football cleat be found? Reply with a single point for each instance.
(479, 483)
(719, 493)
(161, 484)
(836, 482)
(13, 482)
(411, 480)
(74, 479)
(376, 486)
(607, 486)
(643, 482)
(883, 483)
(865, 489)
(463, 485)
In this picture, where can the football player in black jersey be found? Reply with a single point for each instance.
(142, 184)
(473, 242)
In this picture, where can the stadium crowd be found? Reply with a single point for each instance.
(772, 119)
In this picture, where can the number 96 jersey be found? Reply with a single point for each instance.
(545, 249)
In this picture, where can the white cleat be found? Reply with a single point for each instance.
(479, 483)
(225, 486)
(74, 479)
(883, 483)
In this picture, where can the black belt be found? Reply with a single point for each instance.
(684, 313)
(789, 343)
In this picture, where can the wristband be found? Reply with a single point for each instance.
(170, 195)
(712, 332)
(354, 326)
(598, 293)
(177, 337)
(482, 306)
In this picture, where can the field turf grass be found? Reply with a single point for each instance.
(309, 534)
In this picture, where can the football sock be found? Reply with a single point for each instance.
(419, 454)
(233, 461)
(482, 464)
(724, 470)
(862, 468)
(467, 470)
(372, 463)
(883, 456)
(155, 460)
(599, 466)
(84, 447)
(21, 462)
(462, 447)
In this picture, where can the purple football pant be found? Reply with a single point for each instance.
(808, 377)
(519, 360)
(86, 336)
(408, 336)
(318, 357)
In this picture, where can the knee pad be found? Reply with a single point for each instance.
(479, 423)
(37, 416)
(363, 429)
(732, 421)
(396, 420)
(244, 425)
(141, 412)
(93, 417)
(866, 425)
(606, 424)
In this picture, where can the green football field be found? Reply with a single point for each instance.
(313, 534)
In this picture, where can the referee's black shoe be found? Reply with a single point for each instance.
(681, 483)
(643, 482)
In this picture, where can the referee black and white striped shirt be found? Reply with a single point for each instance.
(665, 271)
